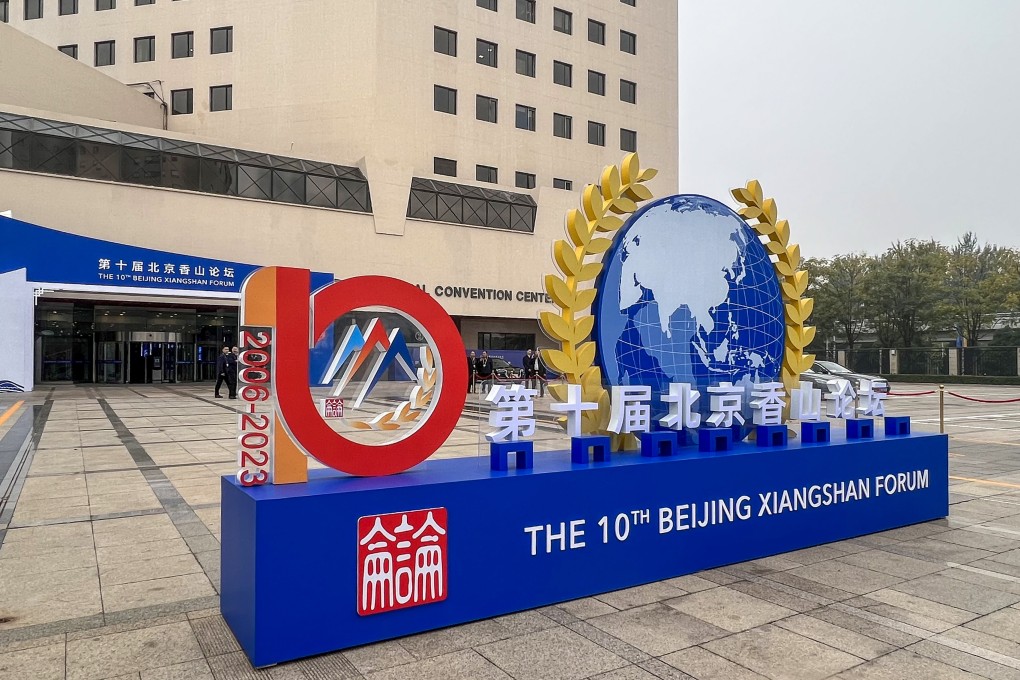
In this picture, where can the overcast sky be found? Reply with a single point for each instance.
(867, 121)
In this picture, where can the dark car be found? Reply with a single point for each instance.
(825, 371)
(504, 370)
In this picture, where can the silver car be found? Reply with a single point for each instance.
(825, 371)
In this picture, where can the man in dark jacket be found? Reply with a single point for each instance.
(232, 372)
(484, 369)
(534, 372)
(471, 372)
(222, 372)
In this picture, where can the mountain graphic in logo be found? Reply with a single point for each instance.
(358, 347)
(10, 386)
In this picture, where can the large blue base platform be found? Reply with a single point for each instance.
(520, 539)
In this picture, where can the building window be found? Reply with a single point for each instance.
(596, 82)
(106, 53)
(487, 4)
(628, 42)
(524, 180)
(221, 98)
(486, 52)
(526, 63)
(439, 201)
(632, 3)
(628, 92)
(596, 133)
(444, 166)
(5, 11)
(526, 10)
(445, 41)
(145, 49)
(99, 153)
(33, 9)
(486, 173)
(182, 102)
(105, 4)
(145, 2)
(563, 74)
(69, 50)
(485, 108)
(445, 99)
(67, 7)
(628, 140)
(525, 117)
(221, 40)
(563, 21)
(562, 184)
(563, 126)
(596, 32)
(182, 45)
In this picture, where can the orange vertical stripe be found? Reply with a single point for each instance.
(258, 300)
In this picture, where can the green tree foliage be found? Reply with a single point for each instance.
(839, 287)
(915, 289)
(906, 290)
(978, 285)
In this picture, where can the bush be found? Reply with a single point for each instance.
(954, 379)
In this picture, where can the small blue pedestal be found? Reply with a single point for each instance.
(770, 435)
(598, 447)
(860, 428)
(897, 426)
(713, 439)
(659, 443)
(814, 432)
(499, 453)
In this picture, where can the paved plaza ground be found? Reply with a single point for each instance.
(109, 568)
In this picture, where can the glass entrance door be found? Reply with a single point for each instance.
(185, 362)
(110, 361)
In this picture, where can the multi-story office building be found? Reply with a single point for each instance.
(436, 141)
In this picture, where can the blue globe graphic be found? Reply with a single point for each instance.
(688, 294)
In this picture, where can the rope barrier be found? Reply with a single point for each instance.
(984, 401)
(954, 394)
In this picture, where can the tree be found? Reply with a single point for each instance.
(840, 287)
(907, 289)
(822, 312)
(978, 284)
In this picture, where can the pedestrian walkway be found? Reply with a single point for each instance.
(109, 568)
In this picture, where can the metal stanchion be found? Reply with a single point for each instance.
(942, 409)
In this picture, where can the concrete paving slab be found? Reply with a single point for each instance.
(129, 519)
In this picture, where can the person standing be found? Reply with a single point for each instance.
(484, 369)
(530, 370)
(540, 371)
(232, 373)
(221, 372)
(471, 372)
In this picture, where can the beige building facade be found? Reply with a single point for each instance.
(437, 142)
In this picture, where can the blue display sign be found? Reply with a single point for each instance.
(52, 256)
(450, 541)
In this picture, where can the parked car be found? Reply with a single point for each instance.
(817, 380)
(823, 371)
(504, 370)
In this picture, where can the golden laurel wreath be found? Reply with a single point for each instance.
(619, 190)
(408, 411)
(793, 281)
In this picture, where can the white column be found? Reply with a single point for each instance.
(954, 361)
(17, 312)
